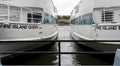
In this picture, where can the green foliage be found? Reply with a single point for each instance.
(63, 17)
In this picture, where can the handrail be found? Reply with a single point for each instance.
(49, 52)
(59, 48)
(66, 41)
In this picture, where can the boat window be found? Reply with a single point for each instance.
(72, 21)
(80, 20)
(107, 16)
(86, 19)
(20, 14)
(3, 13)
(77, 21)
(46, 19)
(50, 19)
(24, 14)
(15, 13)
(91, 18)
(35, 18)
(53, 20)
(56, 20)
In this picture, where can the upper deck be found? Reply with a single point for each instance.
(46, 5)
(106, 3)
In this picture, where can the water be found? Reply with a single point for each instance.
(66, 59)
(79, 59)
(64, 34)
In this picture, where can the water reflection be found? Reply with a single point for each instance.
(91, 59)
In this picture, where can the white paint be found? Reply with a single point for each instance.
(106, 3)
(90, 32)
(43, 32)
(47, 5)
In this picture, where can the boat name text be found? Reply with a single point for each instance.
(19, 26)
(108, 27)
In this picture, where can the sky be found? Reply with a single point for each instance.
(64, 7)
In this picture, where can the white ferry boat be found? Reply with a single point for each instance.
(26, 20)
(97, 20)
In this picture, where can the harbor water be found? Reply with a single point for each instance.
(66, 59)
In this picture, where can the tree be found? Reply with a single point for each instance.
(63, 17)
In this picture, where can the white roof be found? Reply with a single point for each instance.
(106, 3)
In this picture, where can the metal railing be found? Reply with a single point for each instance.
(59, 48)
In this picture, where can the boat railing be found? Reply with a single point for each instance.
(59, 52)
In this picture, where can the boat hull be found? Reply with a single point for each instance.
(100, 46)
(24, 22)
(11, 46)
(12, 35)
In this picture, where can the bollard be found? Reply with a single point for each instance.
(117, 58)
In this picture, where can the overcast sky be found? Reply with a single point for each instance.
(65, 7)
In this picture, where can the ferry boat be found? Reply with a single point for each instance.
(97, 20)
(26, 20)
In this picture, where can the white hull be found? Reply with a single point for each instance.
(26, 20)
(18, 34)
(23, 46)
(100, 46)
(99, 21)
